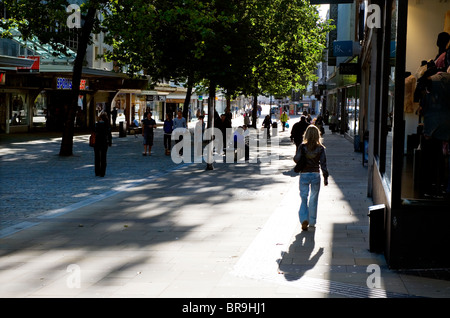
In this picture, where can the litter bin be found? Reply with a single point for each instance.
(376, 228)
(122, 129)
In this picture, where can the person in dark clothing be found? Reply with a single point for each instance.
(103, 140)
(114, 116)
(298, 130)
(223, 124)
(168, 128)
(148, 125)
(267, 124)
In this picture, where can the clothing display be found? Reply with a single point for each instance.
(436, 109)
(410, 86)
(432, 91)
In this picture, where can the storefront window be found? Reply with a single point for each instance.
(18, 109)
(426, 113)
(40, 110)
(387, 102)
(353, 110)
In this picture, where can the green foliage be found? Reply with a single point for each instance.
(246, 47)
(44, 21)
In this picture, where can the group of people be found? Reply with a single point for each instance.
(305, 135)
(170, 124)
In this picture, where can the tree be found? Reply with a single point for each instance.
(249, 47)
(46, 22)
(292, 39)
(159, 38)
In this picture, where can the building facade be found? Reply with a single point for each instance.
(397, 49)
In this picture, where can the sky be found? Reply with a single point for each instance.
(323, 8)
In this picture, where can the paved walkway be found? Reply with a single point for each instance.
(152, 228)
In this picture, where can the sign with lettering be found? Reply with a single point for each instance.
(34, 68)
(342, 48)
(349, 69)
(66, 83)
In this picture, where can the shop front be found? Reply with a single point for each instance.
(409, 130)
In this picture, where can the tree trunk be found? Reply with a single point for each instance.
(228, 108)
(211, 105)
(187, 100)
(67, 137)
(211, 114)
(255, 110)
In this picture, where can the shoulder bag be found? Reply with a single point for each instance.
(301, 164)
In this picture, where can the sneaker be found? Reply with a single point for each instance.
(305, 225)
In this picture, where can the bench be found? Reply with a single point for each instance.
(133, 130)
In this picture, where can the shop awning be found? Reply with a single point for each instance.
(10, 61)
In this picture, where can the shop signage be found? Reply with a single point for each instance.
(342, 48)
(34, 68)
(349, 69)
(2, 78)
(66, 83)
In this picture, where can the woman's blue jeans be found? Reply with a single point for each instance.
(309, 187)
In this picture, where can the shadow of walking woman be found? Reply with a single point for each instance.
(301, 256)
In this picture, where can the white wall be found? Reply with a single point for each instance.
(426, 19)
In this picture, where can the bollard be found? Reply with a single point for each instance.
(376, 228)
(122, 129)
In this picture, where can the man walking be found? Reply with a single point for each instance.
(298, 130)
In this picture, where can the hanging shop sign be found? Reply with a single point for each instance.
(349, 68)
(34, 68)
(346, 48)
(2, 78)
(342, 48)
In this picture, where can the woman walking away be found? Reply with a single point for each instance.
(309, 186)
(103, 140)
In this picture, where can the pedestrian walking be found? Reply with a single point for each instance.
(103, 140)
(297, 131)
(319, 124)
(246, 119)
(168, 128)
(333, 121)
(179, 122)
(284, 118)
(114, 116)
(148, 125)
(309, 183)
(267, 124)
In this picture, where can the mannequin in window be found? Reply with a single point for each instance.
(436, 132)
(442, 43)
(410, 85)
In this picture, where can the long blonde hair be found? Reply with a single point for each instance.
(312, 138)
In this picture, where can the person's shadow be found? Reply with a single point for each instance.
(299, 259)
